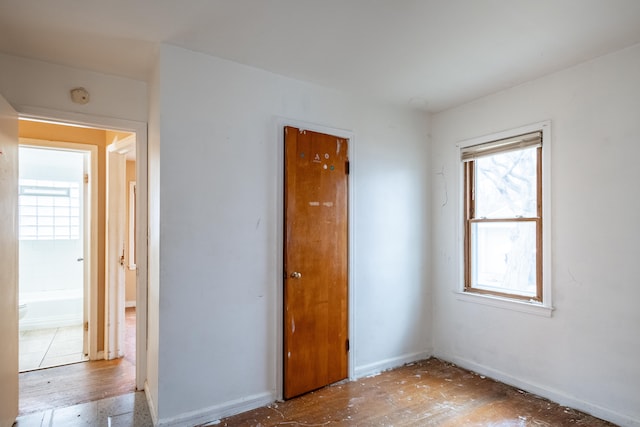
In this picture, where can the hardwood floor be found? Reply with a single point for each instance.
(81, 382)
(427, 393)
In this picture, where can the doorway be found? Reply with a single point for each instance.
(127, 373)
(54, 201)
(316, 259)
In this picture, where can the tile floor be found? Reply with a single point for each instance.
(126, 410)
(43, 348)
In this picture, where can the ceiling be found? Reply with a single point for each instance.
(428, 54)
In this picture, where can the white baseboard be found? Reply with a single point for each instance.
(216, 412)
(548, 393)
(128, 304)
(233, 407)
(386, 364)
(150, 404)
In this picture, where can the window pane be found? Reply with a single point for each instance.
(506, 185)
(62, 221)
(29, 232)
(62, 212)
(46, 217)
(45, 201)
(28, 220)
(28, 201)
(62, 201)
(45, 211)
(28, 211)
(45, 220)
(503, 257)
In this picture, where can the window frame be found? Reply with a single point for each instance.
(541, 303)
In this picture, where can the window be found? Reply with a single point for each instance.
(503, 216)
(49, 210)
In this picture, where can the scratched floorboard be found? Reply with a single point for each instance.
(427, 393)
(80, 382)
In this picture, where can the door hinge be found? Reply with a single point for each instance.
(86, 178)
(86, 326)
(347, 344)
(346, 167)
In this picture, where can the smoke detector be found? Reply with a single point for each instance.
(80, 95)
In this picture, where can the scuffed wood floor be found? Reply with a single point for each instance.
(81, 382)
(426, 393)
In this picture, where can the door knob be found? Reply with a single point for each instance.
(80, 259)
(296, 275)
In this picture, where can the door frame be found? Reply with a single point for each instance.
(140, 129)
(90, 228)
(114, 299)
(9, 365)
(281, 123)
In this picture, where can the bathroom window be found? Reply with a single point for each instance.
(49, 210)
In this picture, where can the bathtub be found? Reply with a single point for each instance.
(52, 309)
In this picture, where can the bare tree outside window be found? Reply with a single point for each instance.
(503, 222)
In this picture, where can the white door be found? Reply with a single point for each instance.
(116, 232)
(53, 246)
(8, 264)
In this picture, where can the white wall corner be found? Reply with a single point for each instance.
(554, 395)
(386, 364)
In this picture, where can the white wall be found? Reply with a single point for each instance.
(27, 82)
(153, 297)
(587, 353)
(218, 267)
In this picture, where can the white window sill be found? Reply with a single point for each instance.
(506, 303)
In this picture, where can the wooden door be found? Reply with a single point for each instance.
(315, 260)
